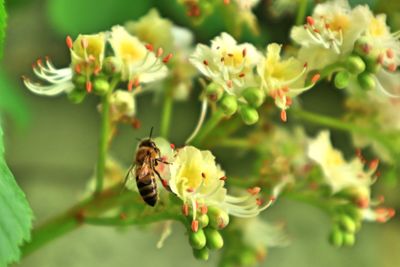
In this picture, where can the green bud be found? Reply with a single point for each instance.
(201, 254)
(249, 115)
(362, 46)
(229, 105)
(101, 86)
(254, 96)
(76, 96)
(219, 219)
(79, 81)
(112, 65)
(203, 220)
(355, 64)
(247, 257)
(214, 92)
(366, 81)
(372, 64)
(214, 238)
(197, 239)
(347, 223)
(349, 239)
(342, 79)
(353, 212)
(336, 237)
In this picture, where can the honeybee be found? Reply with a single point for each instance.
(147, 157)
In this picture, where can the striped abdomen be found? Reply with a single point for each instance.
(147, 187)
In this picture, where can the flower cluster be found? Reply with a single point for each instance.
(335, 33)
(241, 77)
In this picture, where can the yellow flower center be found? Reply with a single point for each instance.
(130, 52)
(339, 22)
(232, 59)
(377, 28)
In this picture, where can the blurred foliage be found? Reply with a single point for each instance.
(3, 23)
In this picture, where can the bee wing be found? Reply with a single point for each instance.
(128, 176)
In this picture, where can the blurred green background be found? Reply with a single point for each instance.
(52, 145)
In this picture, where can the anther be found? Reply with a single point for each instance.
(254, 190)
(96, 70)
(195, 225)
(229, 83)
(204, 209)
(172, 146)
(84, 43)
(241, 75)
(362, 202)
(390, 53)
(205, 62)
(244, 52)
(315, 78)
(283, 115)
(167, 58)
(392, 67)
(203, 175)
(88, 86)
(259, 201)
(190, 190)
(69, 42)
(185, 209)
(149, 47)
(78, 68)
(223, 178)
(373, 165)
(160, 51)
(310, 21)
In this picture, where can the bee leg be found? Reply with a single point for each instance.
(162, 161)
(163, 182)
(126, 178)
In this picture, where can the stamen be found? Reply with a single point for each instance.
(244, 52)
(69, 42)
(185, 209)
(172, 146)
(254, 190)
(167, 58)
(283, 115)
(203, 175)
(204, 209)
(78, 68)
(149, 47)
(205, 62)
(363, 202)
(195, 225)
(390, 53)
(84, 43)
(88, 86)
(310, 21)
(392, 67)
(373, 165)
(160, 51)
(315, 78)
(223, 178)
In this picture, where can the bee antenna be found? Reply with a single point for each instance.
(151, 132)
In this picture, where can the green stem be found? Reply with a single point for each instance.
(211, 123)
(166, 113)
(301, 13)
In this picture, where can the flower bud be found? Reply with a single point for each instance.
(363, 46)
(247, 257)
(372, 63)
(101, 86)
(203, 220)
(229, 105)
(79, 81)
(254, 96)
(366, 81)
(214, 238)
(112, 65)
(249, 115)
(76, 96)
(197, 239)
(336, 237)
(347, 223)
(214, 92)
(342, 79)
(218, 218)
(201, 254)
(349, 239)
(355, 64)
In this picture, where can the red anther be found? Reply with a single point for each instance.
(373, 165)
(310, 21)
(380, 59)
(122, 216)
(195, 225)
(359, 153)
(316, 31)
(305, 65)
(381, 198)
(203, 209)
(391, 213)
(96, 70)
(78, 68)
(327, 26)
(167, 58)
(69, 42)
(390, 53)
(130, 85)
(136, 124)
(241, 75)
(226, 2)
(172, 146)
(362, 203)
(254, 190)
(164, 183)
(244, 52)
(221, 223)
(283, 115)
(136, 82)
(280, 93)
(366, 48)
(89, 86)
(259, 201)
(229, 83)
(205, 62)
(160, 51)
(84, 43)
(289, 101)
(272, 198)
(285, 89)
(185, 209)
(190, 190)
(203, 175)
(392, 67)
(223, 178)
(149, 47)
(39, 62)
(381, 219)
(315, 78)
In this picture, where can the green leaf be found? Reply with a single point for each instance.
(11, 102)
(75, 16)
(15, 214)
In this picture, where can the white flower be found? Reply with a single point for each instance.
(330, 33)
(338, 173)
(140, 63)
(282, 79)
(199, 182)
(122, 104)
(226, 63)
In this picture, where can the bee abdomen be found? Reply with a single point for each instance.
(148, 190)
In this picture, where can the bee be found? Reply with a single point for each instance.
(147, 157)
